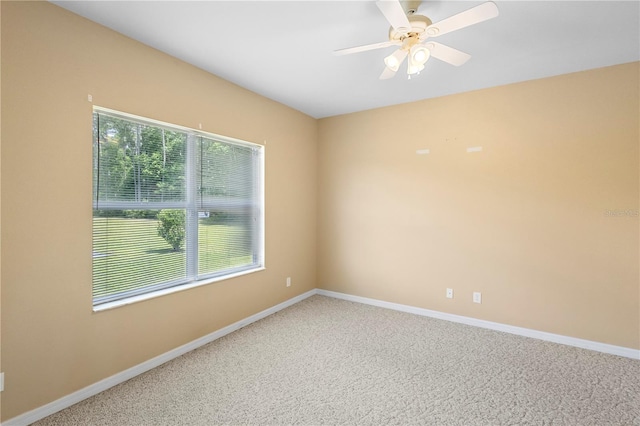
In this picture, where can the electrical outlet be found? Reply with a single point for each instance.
(449, 293)
(477, 297)
(288, 281)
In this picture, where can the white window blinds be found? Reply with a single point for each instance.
(171, 206)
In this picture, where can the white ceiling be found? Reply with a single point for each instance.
(283, 49)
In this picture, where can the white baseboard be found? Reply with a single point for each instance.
(527, 332)
(94, 389)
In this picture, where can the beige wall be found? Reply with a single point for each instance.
(524, 221)
(52, 342)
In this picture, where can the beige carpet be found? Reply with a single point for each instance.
(328, 361)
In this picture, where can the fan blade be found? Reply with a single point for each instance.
(447, 54)
(364, 48)
(464, 19)
(400, 56)
(392, 10)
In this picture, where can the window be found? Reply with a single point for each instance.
(171, 206)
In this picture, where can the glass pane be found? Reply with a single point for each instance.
(226, 177)
(225, 241)
(137, 162)
(137, 249)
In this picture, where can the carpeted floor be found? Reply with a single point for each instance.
(328, 361)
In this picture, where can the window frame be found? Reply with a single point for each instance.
(191, 207)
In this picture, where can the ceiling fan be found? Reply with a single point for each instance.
(410, 32)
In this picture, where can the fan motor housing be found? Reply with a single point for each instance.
(419, 24)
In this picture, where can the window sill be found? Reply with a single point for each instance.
(164, 292)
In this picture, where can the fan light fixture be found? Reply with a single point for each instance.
(414, 68)
(420, 54)
(394, 60)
